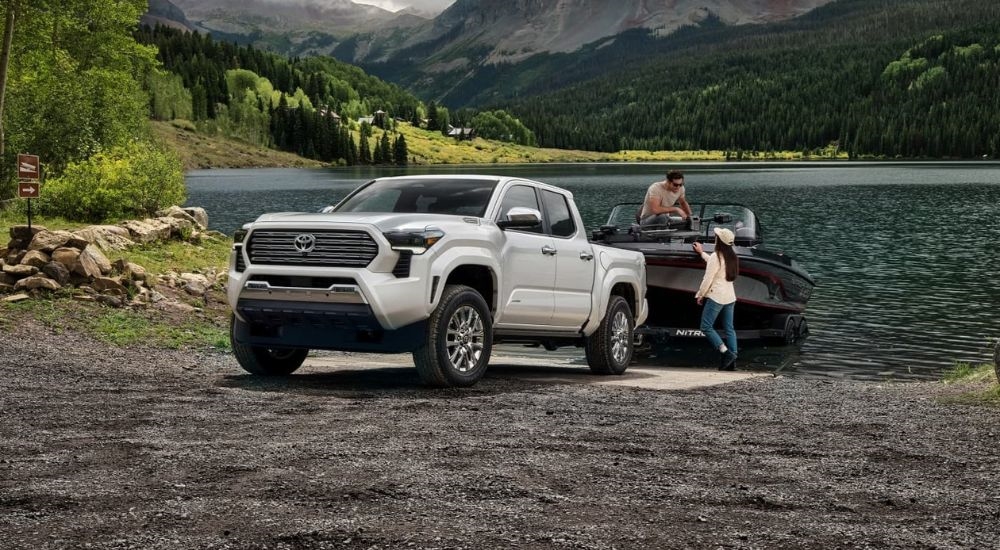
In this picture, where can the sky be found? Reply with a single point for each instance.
(396, 5)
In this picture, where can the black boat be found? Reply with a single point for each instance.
(772, 289)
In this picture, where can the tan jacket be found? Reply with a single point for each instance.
(714, 285)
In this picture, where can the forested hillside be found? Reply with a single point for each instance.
(884, 78)
(295, 105)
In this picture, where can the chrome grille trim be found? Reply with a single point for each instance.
(333, 248)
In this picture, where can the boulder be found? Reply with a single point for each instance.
(14, 257)
(109, 285)
(107, 237)
(194, 284)
(147, 231)
(87, 266)
(67, 256)
(37, 282)
(57, 271)
(36, 258)
(16, 298)
(199, 214)
(129, 270)
(179, 228)
(47, 241)
(176, 212)
(102, 261)
(25, 233)
(19, 271)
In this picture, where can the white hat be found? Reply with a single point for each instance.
(724, 235)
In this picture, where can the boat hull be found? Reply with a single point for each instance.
(768, 285)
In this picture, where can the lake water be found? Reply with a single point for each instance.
(905, 255)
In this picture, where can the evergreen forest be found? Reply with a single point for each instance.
(295, 105)
(872, 78)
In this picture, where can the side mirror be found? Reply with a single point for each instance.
(520, 217)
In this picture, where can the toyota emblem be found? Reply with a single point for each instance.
(305, 243)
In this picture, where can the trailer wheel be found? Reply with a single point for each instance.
(459, 339)
(802, 330)
(791, 331)
(609, 348)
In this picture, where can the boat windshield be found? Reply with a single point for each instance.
(457, 197)
(737, 218)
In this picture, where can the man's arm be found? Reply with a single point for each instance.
(685, 207)
(653, 205)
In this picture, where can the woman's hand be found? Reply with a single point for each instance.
(697, 248)
(699, 300)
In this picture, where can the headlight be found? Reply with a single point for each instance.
(415, 241)
(240, 235)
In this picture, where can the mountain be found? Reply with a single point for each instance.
(163, 12)
(289, 27)
(470, 39)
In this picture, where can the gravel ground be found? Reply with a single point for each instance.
(103, 447)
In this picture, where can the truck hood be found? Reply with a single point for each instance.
(383, 222)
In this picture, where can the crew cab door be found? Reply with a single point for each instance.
(574, 280)
(529, 266)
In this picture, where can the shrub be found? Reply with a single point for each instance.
(131, 181)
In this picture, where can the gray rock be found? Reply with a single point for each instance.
(36, 258)
(87, 266)
(199, 214)
(69, 257)
(102, 261)
(57, 272)
(19, 271)
(109, 285)
(22, 232)
(14, 256)
(106, 237)
(16, 297)
(37, 282)
(47, 241)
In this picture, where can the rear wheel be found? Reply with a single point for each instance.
(264, 361)
(609, 348)
(459, 339)
(802, 330)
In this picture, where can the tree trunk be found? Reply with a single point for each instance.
(8, 36)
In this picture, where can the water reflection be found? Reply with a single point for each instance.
(903, 254)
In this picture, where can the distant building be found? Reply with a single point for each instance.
(324, 112)
(461, 133)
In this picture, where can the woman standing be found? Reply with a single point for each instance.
(717, 286)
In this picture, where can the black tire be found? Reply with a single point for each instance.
(791, 331)
(610, 347)
(459, 340)
(264, 361)
(802, 330)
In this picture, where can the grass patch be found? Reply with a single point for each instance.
(212, 253)
(60, 312)
(981, 381)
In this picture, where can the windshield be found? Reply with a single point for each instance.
(457, 197)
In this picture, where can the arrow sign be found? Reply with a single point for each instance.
(28, 190)
(27, 167)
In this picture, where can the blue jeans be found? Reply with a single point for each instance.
(709, 314)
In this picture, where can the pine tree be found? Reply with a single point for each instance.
(399, 150)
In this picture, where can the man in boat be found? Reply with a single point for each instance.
(665, 199)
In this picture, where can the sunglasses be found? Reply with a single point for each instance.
(675, 184)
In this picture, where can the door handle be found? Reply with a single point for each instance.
(549, 250)
(586, 256)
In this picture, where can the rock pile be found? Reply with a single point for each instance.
(39, 260)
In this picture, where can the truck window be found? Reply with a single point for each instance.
(557, 211)
(520, 195)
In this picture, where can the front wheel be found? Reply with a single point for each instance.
(459, 340)
(264, 361)
(609, 348)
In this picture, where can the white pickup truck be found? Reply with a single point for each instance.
(440, 266)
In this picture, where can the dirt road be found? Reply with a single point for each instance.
(145, 448)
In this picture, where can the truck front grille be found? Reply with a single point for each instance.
(323, 248)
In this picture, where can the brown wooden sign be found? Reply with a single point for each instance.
(28, 189)
(28, 167)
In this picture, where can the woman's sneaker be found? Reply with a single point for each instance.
(728, 361)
